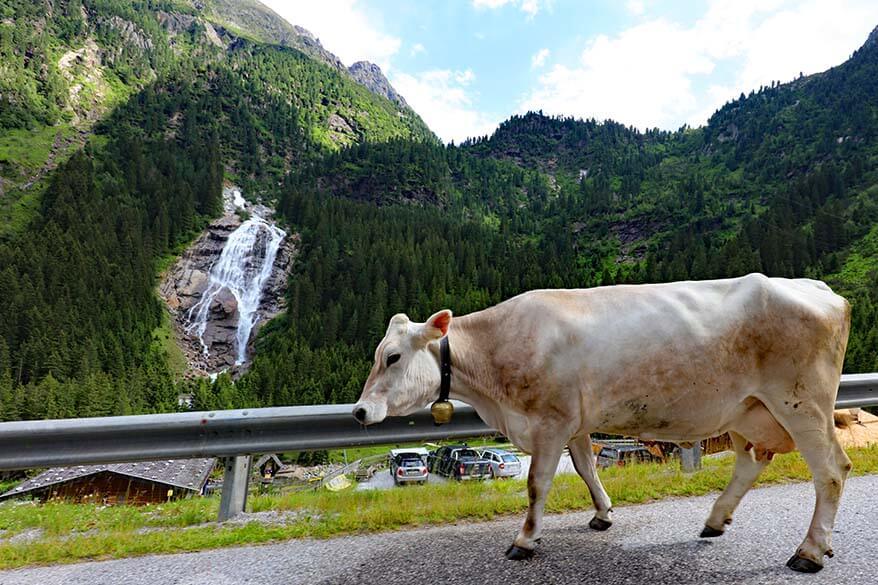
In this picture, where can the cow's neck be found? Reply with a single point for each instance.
(473, 379)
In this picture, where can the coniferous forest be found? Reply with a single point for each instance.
(782, 181)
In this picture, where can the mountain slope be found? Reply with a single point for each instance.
(68, 64)
(163, 106)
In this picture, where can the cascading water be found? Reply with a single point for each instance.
(244, 266)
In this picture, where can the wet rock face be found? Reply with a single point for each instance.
(186, 280)
(184, 284)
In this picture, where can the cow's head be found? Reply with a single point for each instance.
(405, 375)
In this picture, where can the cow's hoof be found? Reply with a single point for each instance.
(709, 532)
(803, 565)
(599, 524)
(516, 553)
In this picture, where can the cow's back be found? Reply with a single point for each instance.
(645, 348)
(615, 320)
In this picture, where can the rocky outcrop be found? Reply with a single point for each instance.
(129, 31)
(175, 22)
(184, 284)
(339, 129)
(308, 43)
(633, 235)
(372, 78)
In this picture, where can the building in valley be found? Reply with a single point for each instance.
(146, 482)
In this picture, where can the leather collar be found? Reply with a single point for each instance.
(444, 369)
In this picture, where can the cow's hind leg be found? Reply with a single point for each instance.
(543, 464)
(583, 461)
(809, 421)
(747, 469)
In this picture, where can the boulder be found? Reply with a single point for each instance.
(225, 306)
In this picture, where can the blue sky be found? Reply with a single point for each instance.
(466, 65)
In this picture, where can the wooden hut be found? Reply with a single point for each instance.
(146, 482)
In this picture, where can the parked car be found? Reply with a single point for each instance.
(408, 466)
(458, 462)
(610, 455)
(503, 463)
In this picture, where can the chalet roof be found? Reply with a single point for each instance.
(187, 474)
(269, 457)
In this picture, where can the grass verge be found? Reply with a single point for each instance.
(63, 533)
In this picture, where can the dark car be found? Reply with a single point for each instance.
(459, 462)
(624, 454)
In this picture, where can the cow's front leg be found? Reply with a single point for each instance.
(543, 464)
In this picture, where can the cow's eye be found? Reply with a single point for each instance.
(392, 359)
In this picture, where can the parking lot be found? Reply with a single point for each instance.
(383, 480)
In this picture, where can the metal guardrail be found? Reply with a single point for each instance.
(857, 391)
(236, 434)
(223, 433)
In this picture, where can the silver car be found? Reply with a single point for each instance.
(503, 463)
(407, 466)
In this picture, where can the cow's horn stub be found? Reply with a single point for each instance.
(442, 410)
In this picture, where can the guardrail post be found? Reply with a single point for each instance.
(690, 459)
(234, 496)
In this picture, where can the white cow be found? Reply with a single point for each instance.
(757, 357)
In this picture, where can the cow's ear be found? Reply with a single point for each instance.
(436, 326)
(399, 319)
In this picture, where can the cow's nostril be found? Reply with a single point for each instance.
(360, 414)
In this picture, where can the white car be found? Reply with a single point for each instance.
(503, 463)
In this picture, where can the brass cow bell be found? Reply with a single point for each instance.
(442, 411)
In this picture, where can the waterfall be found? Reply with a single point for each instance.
(244, 266)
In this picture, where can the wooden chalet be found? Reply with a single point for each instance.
(147, 482)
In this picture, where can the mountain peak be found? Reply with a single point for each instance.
(872, 40)
(261, 22)
(370, 75)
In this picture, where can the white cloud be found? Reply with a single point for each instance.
(464, 77)
(343, 27)
(529, 7)
(657, 73)
(539, 58)
(640, 77)
(417, 49)
(442, 99)
(635, 7)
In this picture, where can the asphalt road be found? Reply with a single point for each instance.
(650, 544)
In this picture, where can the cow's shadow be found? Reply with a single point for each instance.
(565, 555)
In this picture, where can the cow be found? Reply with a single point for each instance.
(759, 358)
